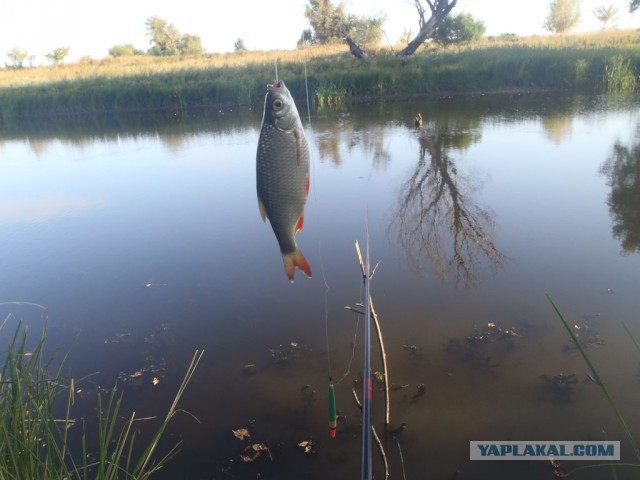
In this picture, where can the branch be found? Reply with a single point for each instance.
(375, 437)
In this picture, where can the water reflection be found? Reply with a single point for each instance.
(437, 220)
(370, 137)
(623, 171)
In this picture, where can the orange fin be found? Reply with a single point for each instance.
(263, 211)
(293, 260)
(299, 224)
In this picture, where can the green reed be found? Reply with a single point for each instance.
(599, 380)
(620, 75)
(178, 84)
(35, 441)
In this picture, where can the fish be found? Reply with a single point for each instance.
(282, 174)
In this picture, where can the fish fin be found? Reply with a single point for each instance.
(263, 210)
(299, 224)
(293, 260)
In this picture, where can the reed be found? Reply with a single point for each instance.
(34, 440)
(599, 380)
(601, 62)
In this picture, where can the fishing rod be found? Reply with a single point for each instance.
(367, 387)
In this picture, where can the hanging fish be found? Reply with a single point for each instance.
(332, 411)
(282, 174)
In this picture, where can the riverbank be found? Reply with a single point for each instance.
(589, 62)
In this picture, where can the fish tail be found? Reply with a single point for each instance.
(293, 260)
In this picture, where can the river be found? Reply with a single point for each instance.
(139, 240)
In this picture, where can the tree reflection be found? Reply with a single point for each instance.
(623, 170)
(438, 220)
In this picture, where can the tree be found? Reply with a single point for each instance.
(17, 58)
(563, 15)
(239, 46)
(58, 55)
(606, 14)
(166, 39)
(163, 36)
(124, 50)
(190, 45)
(439, 11)
(633, 5)
(364, 30)
(460, 28)
(327, 21)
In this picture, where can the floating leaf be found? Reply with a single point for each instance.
(259, 447)
(307, 445)
(249, 458)
(241, 433)
(155, 381)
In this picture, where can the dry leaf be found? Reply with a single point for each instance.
(241, 433)
(249, 458)
(307, 445)
(155, 381)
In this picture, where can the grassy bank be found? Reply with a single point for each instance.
(589, 62)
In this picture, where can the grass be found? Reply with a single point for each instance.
(603, 387)
(587, 62)
(34, 441)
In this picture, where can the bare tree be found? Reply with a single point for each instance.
(437, 219)
(439, 9)
(606, 15)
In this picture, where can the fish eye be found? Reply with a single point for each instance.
(277, 105)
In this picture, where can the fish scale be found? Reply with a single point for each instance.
(282, 174)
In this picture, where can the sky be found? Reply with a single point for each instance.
(91, 28)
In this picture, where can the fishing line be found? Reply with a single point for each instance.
(276, 64)
(326, 310)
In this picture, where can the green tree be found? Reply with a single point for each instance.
(606, 14)
(58, 55)
(17, 58)
(460, 28)
(306, 38)
(563, 15)
(364, 30)
(326, 19)
(164, 36)
(239, 46)
(190, 45)
(124, 50)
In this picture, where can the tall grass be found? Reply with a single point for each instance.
(139, 83)
(34, 440)
(620, 75)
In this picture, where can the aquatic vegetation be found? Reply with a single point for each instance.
(598, 379)
(37, 442)
(176, 84)
(620, 75)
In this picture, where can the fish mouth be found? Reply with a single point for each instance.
(277, 85)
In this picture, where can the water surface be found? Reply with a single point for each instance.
(143, 241)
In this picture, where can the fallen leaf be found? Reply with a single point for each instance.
(241, 433)
(249, 458)
(307, 445)
(155, 381)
